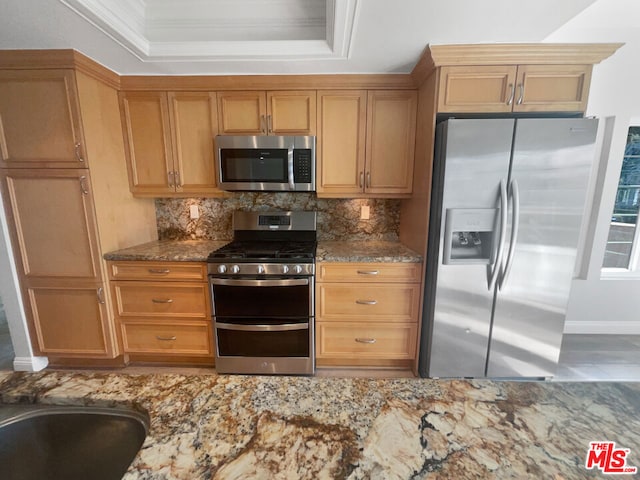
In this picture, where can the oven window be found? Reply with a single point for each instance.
(254, 165)
(234, 343)
(243, 301)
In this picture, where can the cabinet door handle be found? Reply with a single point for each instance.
(366, 302)
(83, 185)
(100, 293)
(368, 179)
(162, 300)
(269, 124)
(368, 272)
(176, 179)
(78, 152)
(365, 340)
(159, 271)
(521, 95)
(166, 339)
(361, 179)
(512, 94)
(170, 179)
(263, 125)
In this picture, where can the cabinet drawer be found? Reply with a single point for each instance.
(373, 341)
(184, 339)
(162, 300)
(368, 303)
(157, 271)
(369, 272)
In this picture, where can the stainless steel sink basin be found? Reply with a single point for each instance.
(48, 442)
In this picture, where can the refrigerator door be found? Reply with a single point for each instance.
(472, 160)
(551, 165)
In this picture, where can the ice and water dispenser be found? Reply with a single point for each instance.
(469, 235)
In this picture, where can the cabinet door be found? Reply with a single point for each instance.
(552, 88)
(341, 142)
(242, 113)
(194, 126)
(145, 119)
(391, 136)
(40, 120)
(476, 88)
(291, 113)
(52, 217)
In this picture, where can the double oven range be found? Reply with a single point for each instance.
(262, 290)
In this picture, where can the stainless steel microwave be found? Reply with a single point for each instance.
(266, 163)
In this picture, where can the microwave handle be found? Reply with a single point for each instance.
(292, 182)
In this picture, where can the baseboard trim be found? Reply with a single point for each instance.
(30, 364)
(603, 328)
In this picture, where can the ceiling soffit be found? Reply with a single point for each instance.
(205, 30)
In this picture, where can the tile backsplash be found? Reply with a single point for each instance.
(338, 219)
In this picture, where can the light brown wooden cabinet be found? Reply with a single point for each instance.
(367, 313)
(366, 142)
(169, 142)
(163, 310)
(40, 120)
(53, 226)
(267, 113)
(513, 88)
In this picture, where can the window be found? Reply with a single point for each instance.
(621, 244)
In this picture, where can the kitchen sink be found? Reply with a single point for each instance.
(48, 442)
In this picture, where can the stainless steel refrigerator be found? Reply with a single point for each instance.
(506, 213)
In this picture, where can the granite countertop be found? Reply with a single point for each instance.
(168, 250)
(240, 427)
(367, 251)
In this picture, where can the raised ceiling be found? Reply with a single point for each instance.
(272, 36)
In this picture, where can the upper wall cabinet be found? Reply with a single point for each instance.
(366, 143)
(511, 88)
(267, 113)
(40, 123)
(169, 142)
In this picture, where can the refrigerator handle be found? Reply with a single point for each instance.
(514, 193)
(492, 273)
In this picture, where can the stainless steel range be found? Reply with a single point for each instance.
(262, 291)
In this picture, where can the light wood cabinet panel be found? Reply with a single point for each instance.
(194, 125)
(367, 302)
(145, 118)
(291, 113)
(391, 137)
(356, 342)
(71, 321)
(166, 339)
(157, 271)
(51, 212)
(341, 142)
(369, 272)
(553, 88)
(477, 88)
(242, 113)
(169, 138)
(40, 120)
(161, 300)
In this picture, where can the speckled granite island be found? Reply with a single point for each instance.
(246, 427)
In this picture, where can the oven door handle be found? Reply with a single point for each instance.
(283, 282)
(263, 328)
(290, 170)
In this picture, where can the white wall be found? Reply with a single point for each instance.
(598, 305)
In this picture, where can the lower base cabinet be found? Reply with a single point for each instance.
(367, 314)
(163, 310)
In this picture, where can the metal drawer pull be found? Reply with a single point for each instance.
(159, 271)
(162, 300)
(100, 293)
(166, 339)
(283, 327)
(366, 302)
(368, 272)
(366, 340)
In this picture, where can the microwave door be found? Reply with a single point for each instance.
(255, 168)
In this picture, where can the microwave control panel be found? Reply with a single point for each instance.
(302, 165)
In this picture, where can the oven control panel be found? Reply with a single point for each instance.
(261, 269)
